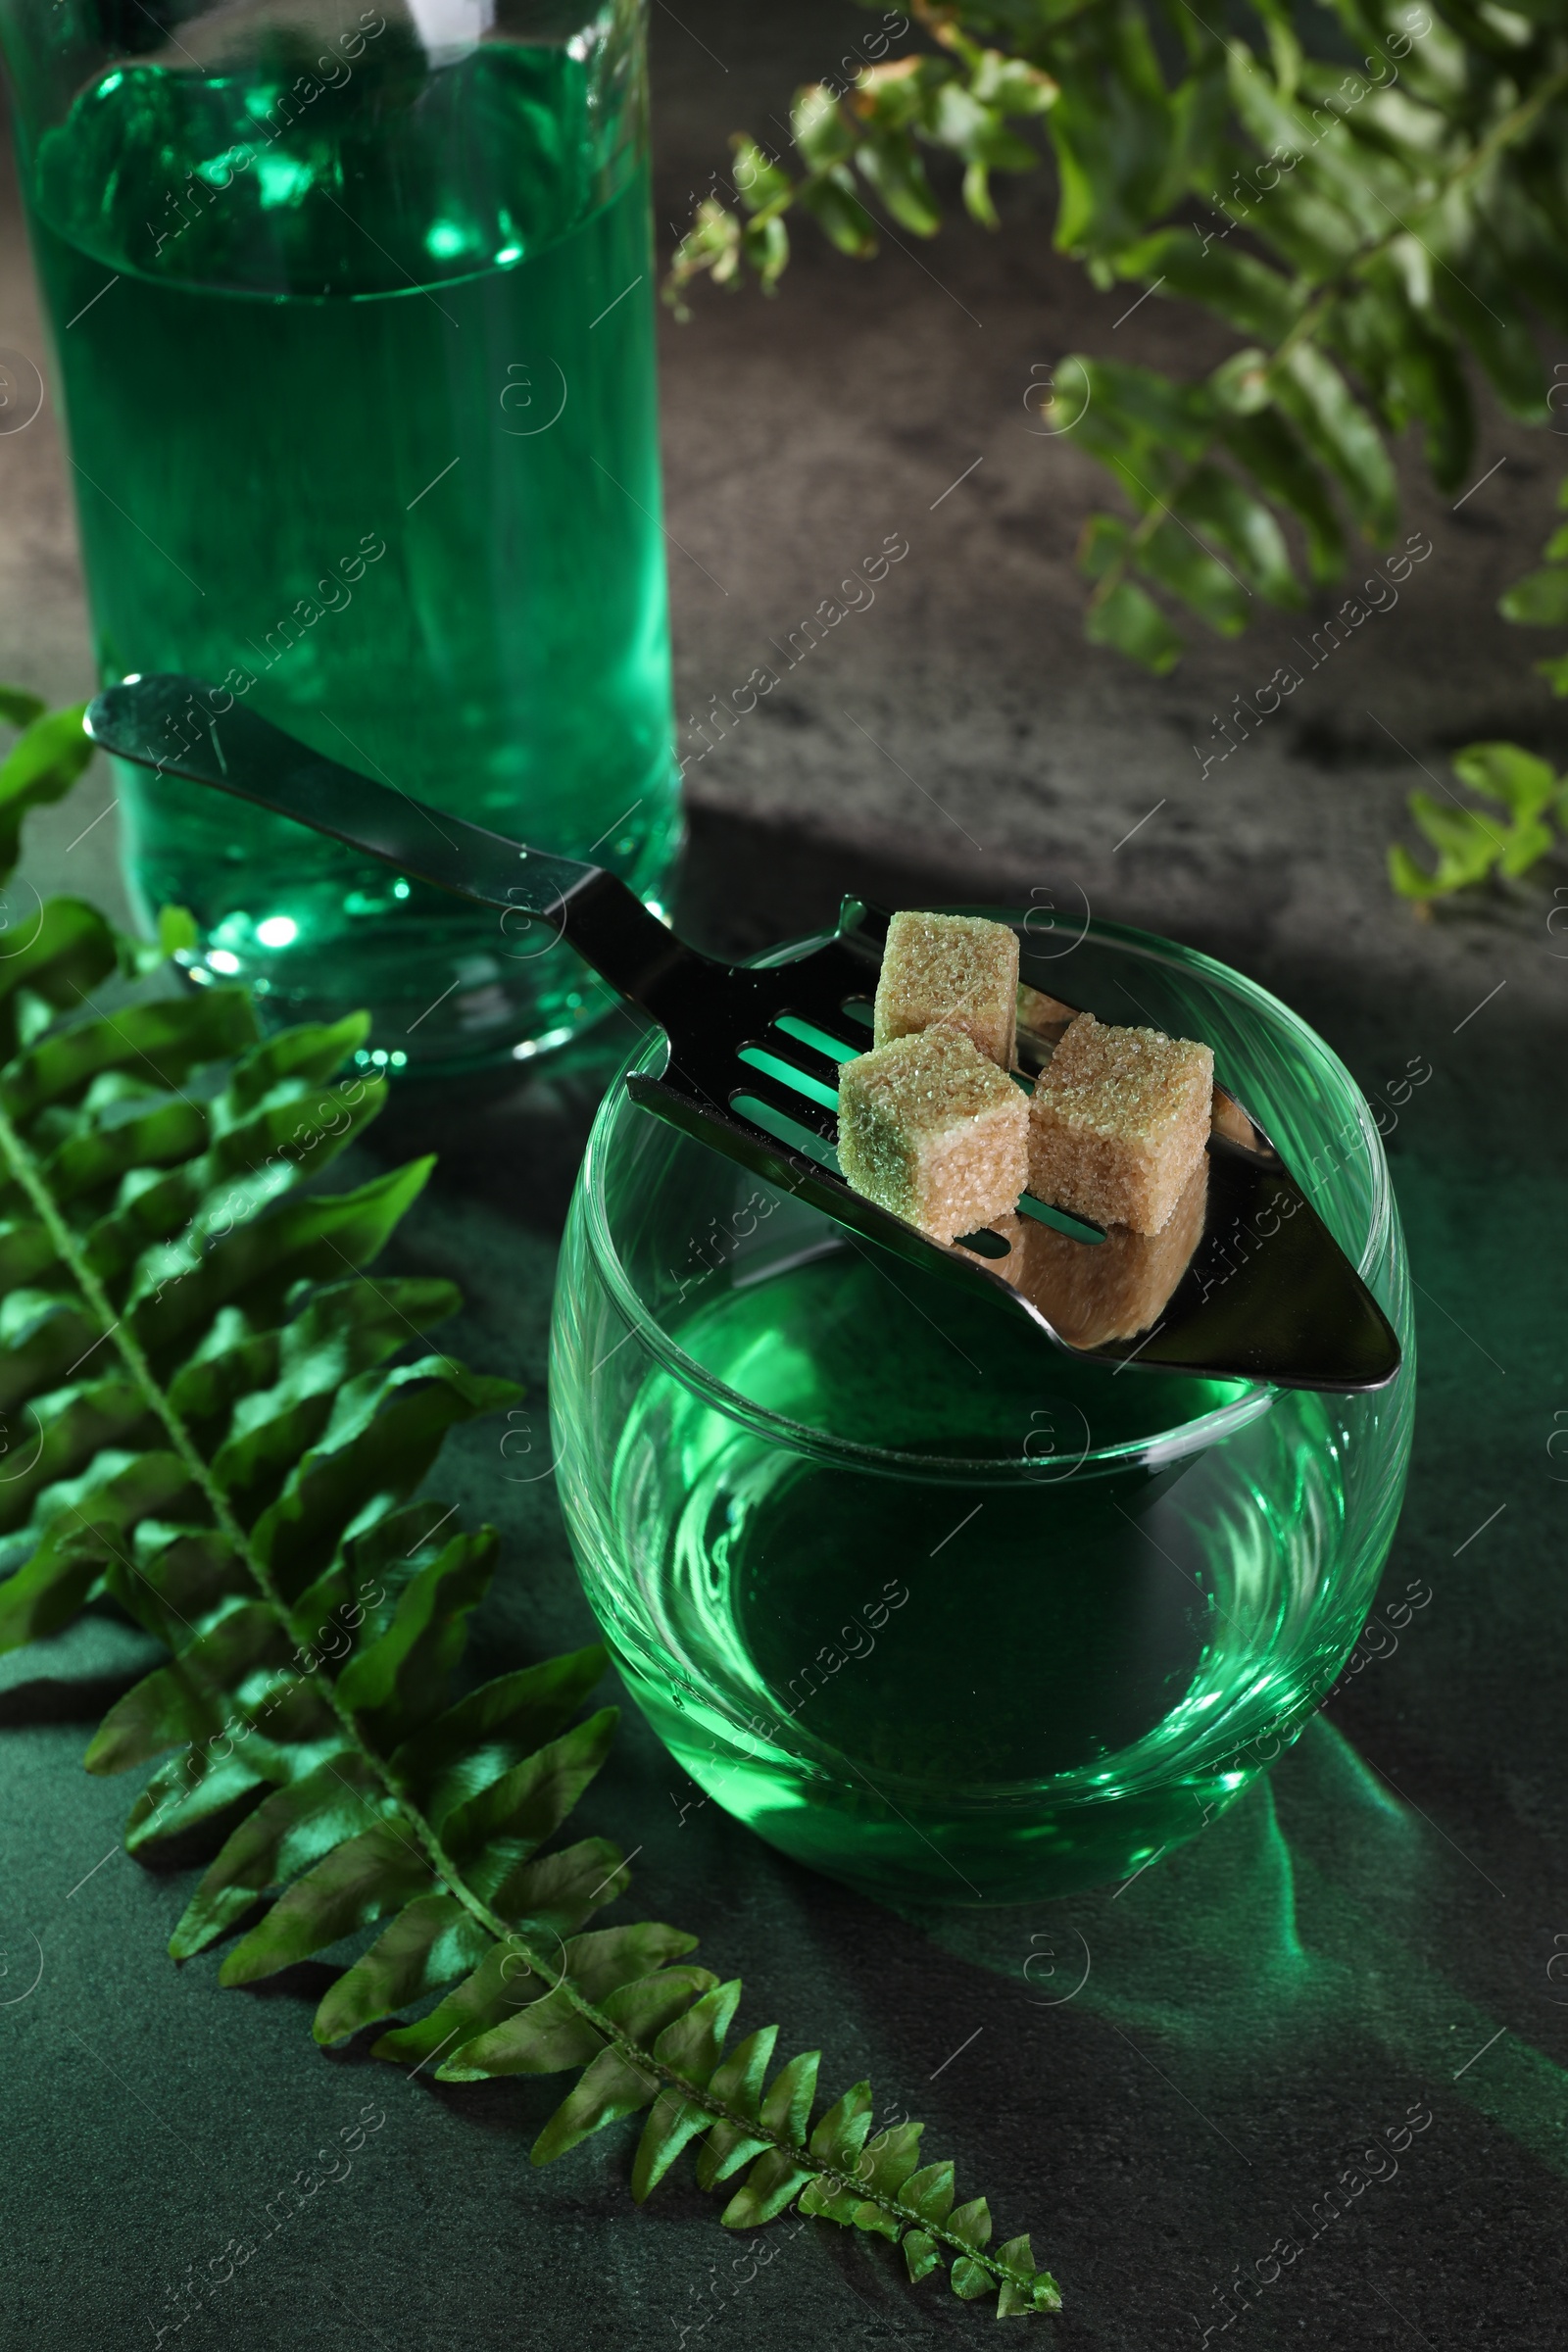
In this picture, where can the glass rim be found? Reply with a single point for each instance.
(800, 1437)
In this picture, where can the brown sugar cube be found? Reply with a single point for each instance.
(1092, 1292)
(932, 1131)
(1118, 1121)
(956, 969)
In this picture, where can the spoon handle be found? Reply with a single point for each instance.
(178, 727)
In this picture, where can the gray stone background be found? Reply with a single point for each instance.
(1382, 1908)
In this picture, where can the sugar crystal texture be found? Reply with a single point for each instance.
(932, 1131)
(957, 969)
(1118, 1121)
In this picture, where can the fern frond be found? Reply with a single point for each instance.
(1369, 238)
(214, 1422)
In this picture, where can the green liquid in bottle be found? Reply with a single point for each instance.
(962, 1690)
(359, 390)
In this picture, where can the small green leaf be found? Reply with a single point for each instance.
(1129, 621)
(67, 949)
(1503, 772)
(385, 1432)
(841, 2135)
(693, 2044)
(400, 1680)
(177, 934)
(739, 2081)
(1340, 434)
(1274, 457)
(643, 2008)
(41, 766)
(278, 1404)
(893, 167)
(319, 1238)
(1104, 543)
(1140, 423)
(929, 2193)
(1036, 2290)
(829, 2203)
(821, 132)
(673, 2120)
(758, 181)
(50, 1589)
(308, 1053)
(889, 2160)
(91, 1525)
(1244, 529)
(921, 2254)
(971, 2280)
(832, 201)
(377, 1872)
(188, 1700)
(547, 2037)
(504, 1982)
(559, 1891)
(1476, 298)
(475, 1742)
(164, 1041)
(289, 1831)
(191, 1789)
(171, 1131)
(599, 1964)
(613, 2085)
(608, 2090)
(527, 1803)
(68, 1430)
(1174, 558)
(770, 2185)
(738, 2084)
(971, 2223)
(1245, 293)
(766, 246)
(430, 1941)
(1540, 601)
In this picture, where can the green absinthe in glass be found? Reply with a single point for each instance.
(358, 362)
(930, 1604)
(899, 1645)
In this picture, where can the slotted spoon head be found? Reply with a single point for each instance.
(1245, 1282)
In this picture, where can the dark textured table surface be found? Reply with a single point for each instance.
(1371, 1929)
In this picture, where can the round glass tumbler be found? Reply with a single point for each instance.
(931, 1605)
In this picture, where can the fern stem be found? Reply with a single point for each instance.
(68, 1246)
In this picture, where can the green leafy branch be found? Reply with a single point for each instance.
(961, 104)
(1393, 220)
(1375, 220)
(1525, 796)
(222, 1436)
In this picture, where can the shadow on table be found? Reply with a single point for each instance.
(1300, 1922)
